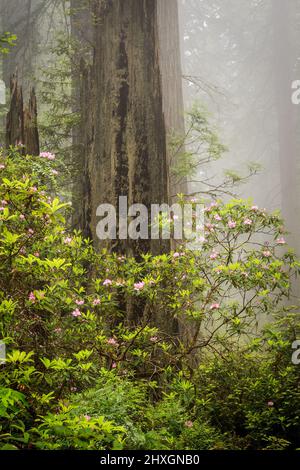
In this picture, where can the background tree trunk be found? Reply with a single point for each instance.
(21, 123)
(31, 135)
(82, 31)
(19, 17)
(171, 72)
(285, 60)
(15, 115)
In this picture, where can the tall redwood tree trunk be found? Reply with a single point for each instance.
(82, 31)
(285, 60)
(124, 127)
(171, 73)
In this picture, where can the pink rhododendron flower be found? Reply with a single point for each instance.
(254, 208)
(76, 313)
(214, 255)
(22, 217)
(79, 302)
(267, 254)
(112, 341)
(67, 240)
(2, 209)
(36, 254)
(139, 285)
(47, 155)
(217, 217)
(54, 172)
(215, 306)
(231, 224)
(176, 255)
(114, 365)
(87, 417)
(96, 301)
(4, 203)
(2, 166)
(281, 241)
(32, 297)
(30, 231)
(153, 339)
(248, 222)
(210, 227)
(33, 189)
(270, 403)
(189, 424)
(107, 282)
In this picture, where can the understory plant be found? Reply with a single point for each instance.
(79, 375)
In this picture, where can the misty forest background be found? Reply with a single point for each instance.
(145, 344)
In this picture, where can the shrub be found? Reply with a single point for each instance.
(71, 351)
(66, 431)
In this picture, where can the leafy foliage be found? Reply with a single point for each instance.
(7, 40)
(79, 376)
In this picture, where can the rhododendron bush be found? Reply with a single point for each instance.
(79, 374)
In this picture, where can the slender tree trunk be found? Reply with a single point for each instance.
(31, 135)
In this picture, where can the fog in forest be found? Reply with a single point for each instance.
(126, 126)
(236, 57)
